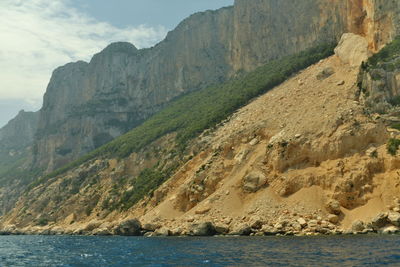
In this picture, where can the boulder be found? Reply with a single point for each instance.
(150, 227)
(333, 218)
(352, 49)
(325, 73)
(256, 222)
(390, 230)
(162, 232)
(381, 220)
(203, 229)
(302, 222)
(221, 229)
(358, 226)
(296, 226)
(269, 230)
(241, 229)
(254, 142)
(394, 218)
(254, 181)
(129, 227)
(333, 207)
(203, 210)
(176, 231)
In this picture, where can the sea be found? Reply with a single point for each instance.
(363, 250)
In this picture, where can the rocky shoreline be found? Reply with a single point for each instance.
(383, 223)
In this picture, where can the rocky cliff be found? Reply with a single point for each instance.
(88, 104)
(19, 132)
(16, 140)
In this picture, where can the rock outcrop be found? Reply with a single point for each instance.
(353, 49)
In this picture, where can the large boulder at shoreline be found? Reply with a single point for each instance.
(358, 226)
(129, 227)
(203, 229)
(162, 232)
(390, 230)
(241, 229)
(381, 220)
(394, 218)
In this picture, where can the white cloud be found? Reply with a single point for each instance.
(36, 36)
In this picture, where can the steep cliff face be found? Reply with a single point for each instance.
(376, 20)
(266, 30)
(19, 132)
(16, 140)
(89, 104)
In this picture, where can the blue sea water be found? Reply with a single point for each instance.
(212, 251)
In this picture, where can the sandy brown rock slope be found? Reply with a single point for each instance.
(286, 155)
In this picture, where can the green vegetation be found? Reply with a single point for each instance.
(388, 53)
(394, 101)
(396, 126)
(42, 221)
(191, 114)
(392, 146)
(147, 181)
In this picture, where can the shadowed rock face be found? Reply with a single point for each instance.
(19, 132)
(89, 104)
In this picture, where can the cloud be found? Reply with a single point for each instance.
(36, 36)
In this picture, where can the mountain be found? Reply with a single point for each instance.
(168, 111)
(87, 105)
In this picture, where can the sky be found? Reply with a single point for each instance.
(36, 36)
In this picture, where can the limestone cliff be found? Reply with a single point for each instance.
(87, 105)
(379, 81)
(19, 132)
(16, 140)
(270, 29)
(376, 20)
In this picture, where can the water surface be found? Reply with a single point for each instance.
(212, 251)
